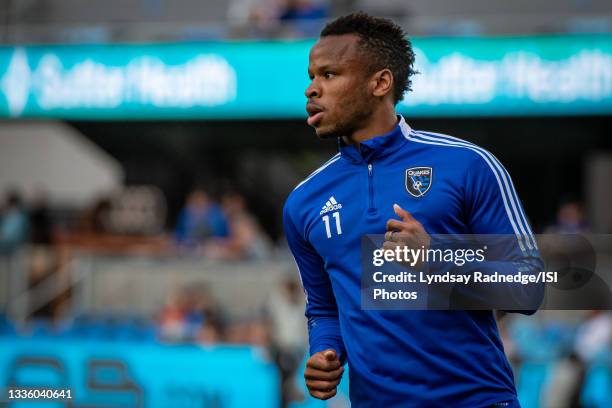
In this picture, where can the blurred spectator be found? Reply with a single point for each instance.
(302, 10)
(564, 387)
(284, 18)
(564, 356)
(592, 341)
(594, 336)
(96, 219)
(305, 16)
(285, 312)
(246, 238)
(40, 221)
(254, 18)
(200, 220)
(204, 315)
(251, 330)
(172, 318)
(570, 219)
(14, 223)
(209, 333)
(190, 315)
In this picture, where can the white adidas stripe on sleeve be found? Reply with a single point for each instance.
(519, 230)
(317, 171)
(519, 214)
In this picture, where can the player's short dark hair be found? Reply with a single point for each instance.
(384, 41)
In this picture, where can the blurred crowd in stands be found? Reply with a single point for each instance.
(192, 315)
(225, 231)
(278, 18)
(133, 219)
(561, 359)
(190, 20)
(128, 223)
(120, 225)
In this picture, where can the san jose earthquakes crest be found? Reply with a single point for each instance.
(419, 180)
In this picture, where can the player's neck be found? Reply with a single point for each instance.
(380, 124)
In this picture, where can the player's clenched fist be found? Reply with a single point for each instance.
(323, 373)
(406, 232)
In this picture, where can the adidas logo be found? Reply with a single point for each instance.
(330, 205)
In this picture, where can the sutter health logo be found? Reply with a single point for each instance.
(97, 82)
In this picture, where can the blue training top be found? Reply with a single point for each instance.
(400, 358)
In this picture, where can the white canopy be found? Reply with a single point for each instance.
(56, 159)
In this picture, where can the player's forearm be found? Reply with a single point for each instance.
(522, 297)
(507, 285)
(324, 333)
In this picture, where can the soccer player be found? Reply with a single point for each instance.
(388, 178)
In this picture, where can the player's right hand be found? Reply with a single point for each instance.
(323, 373)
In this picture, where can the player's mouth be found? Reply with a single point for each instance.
(315, 113)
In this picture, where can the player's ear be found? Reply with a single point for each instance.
(382, 82)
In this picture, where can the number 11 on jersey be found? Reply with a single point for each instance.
(336, 215)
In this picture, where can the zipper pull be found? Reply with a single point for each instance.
(370, 169)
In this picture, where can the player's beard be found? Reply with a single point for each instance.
(359, 115)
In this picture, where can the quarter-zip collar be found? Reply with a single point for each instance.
(377, 146)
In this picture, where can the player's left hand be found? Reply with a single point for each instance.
(406, 232)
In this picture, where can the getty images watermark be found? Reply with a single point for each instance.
(483, 272)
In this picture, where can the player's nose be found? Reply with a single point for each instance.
(312, 91)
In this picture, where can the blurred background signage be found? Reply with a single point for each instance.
(487, 76)
(129, 374)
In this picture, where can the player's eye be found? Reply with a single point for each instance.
(329, 75)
